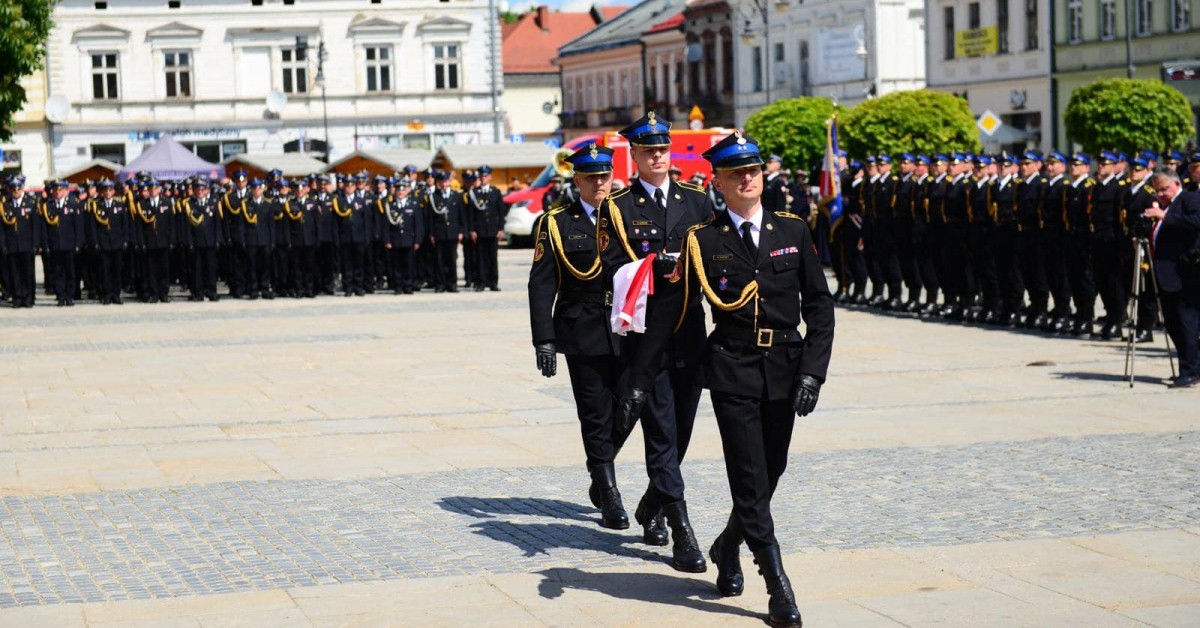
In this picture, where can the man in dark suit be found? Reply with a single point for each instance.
(444, 211)
(62, 237)
(653, 215)
(1175, 245)
(569, 306)
(485, 220)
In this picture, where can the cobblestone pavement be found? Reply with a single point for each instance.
(241, 536)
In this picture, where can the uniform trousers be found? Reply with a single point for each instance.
(1058, 282)
(926, 250)
(1079, 269)
(63, 281)
(304, 269)
(157, 272)
(446, 269)
(1033, 269)
(854, 266)
(352, 270)
(906, 254)
(327, 264)
(402, 268)
(110, 274)
(204, 272)
(983, 261)
(21, 278)
(755, 435)
(487, 253)
(593, 380)
(1111, 279)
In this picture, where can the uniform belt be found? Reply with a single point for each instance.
(603, 298)
(761, 337)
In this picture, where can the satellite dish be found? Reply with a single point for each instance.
(547, 107)
(57, 108)
(276, 101)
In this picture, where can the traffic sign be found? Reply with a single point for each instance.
(989, 123)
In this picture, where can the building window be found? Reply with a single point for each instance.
(104, 76)
(1145, 17)
(379, 68)
(1181, 15)
(446, 66)
(217, 150)
(948, 31)
(804, 68)
(111, 152)
(624, 88)
(679, 83)
(1031, 24)
(579, 97)
(973, 15)
(178, 68)
(727, 64)
(1108, 19)
(612, 91)
(1074, 21)
(1002, 26)
(295, 70)
(758, 69)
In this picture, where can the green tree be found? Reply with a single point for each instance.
(1128, 115)
(919, 121)
(794, 129)
(24, 27)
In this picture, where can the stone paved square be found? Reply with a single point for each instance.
(398, 461)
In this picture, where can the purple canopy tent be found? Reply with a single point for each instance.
(168, 159)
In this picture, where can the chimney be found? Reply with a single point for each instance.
(542, 12)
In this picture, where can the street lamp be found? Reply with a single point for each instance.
(321, 55)
(763, 9)
(863, 53)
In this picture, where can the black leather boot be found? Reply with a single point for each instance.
(781, 610)
(649, 516)
(608, 498)
(724, 554)
(686, 550)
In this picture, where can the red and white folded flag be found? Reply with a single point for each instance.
(632, 286)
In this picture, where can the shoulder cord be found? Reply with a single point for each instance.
(556, 242)
(194, 219)
(338, 210)
(619, 227)
(53, 222)
(253, 220)
(433, 204)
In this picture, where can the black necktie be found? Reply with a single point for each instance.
(660, 198)
(748, 240)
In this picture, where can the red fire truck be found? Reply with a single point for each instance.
(526, 205)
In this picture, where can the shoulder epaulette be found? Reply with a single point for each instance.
(688, 185)
(619, 193)
(1148, 188)
(1018, 180)
(1089, 182)
(557, 209)
(1124, 181)
(788, 215)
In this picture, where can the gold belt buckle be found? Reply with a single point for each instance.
(766, 337)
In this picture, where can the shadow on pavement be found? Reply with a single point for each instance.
(1110, 377)
(489, 507)
(641, 587)
(540, 538)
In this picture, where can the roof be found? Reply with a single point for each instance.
(460, 156)
(291, 164)
(623, 30)
(95, 163)
(671, 23)
(395, 159)
(168, 159)
(532, 42)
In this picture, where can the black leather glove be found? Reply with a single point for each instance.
(663, 266)
(547, 362)
(804, 399)
(631, 409)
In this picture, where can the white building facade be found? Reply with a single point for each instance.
(215, 75)
(847, 51)
(996, 53)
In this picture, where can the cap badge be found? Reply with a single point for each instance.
(593, 152)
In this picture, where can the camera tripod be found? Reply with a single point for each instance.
(1143, 264)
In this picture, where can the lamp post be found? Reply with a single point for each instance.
(763, 8)
(321, 55)
(864, 53)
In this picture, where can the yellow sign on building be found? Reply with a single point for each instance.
(977, 42)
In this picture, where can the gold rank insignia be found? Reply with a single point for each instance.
(677, 196)
(539, 251)
(593, 153)
(770, 227)
(602, 241)
(725, 229)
